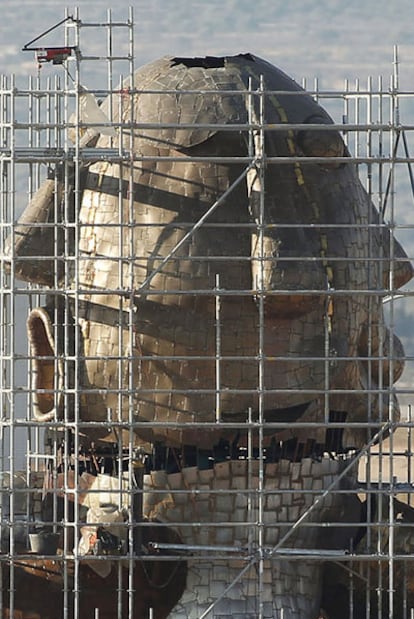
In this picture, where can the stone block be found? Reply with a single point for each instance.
(190, 475)
(222, 470)
(175, 481)
(225, 503)
(225, 535)
(239, 468)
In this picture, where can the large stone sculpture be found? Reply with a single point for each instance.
(227, 302)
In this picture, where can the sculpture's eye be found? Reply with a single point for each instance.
(321, 142)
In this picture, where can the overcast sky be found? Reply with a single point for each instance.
(330, 39)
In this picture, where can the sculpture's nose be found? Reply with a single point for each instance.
(34, 243)
(43, 237)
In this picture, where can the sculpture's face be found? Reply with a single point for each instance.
(196, 304)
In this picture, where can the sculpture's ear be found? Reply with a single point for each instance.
(47, 373)
(52, 378)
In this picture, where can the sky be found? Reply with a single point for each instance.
(330, 39)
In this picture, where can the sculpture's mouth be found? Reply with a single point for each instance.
(47, 367)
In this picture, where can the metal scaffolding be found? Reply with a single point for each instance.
(118, 497)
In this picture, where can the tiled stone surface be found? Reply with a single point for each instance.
(226, 512)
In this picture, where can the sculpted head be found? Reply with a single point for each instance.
(231, 266)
